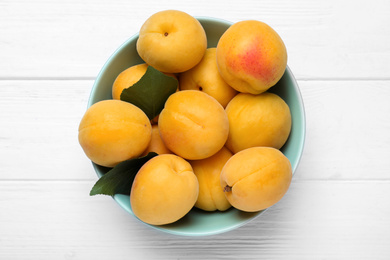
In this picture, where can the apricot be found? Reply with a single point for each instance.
(112, 131)
(156, 143)
(193, 124)
(129, 77)
(256, 178)
(205, 77)
(208, 172)
(171, 41)
(257, 120)
(164, 190)
(251, 56)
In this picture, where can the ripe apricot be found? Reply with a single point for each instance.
(129, 77)
(172, 41)
(256, 178)
(208, 172)
(257, 120)
(112, 131)
(164, 190)
(251, 56)
(193, 124)
(205, 77)
(156, 143)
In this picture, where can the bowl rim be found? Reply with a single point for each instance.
(303, 114)
(201, 19)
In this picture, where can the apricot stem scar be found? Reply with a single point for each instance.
(165, 34)
(227, 188)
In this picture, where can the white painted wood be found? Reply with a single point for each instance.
(315, 220)
(347, 129)
(338, 204)
(39, 130)
(51, 39)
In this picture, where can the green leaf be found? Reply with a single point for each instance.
(119, 179)
(150, 92)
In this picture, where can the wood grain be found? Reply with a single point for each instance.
(347, 130)
(346, 133)
(337, 206)
(315, 220)
(40, 129)
(62, 39)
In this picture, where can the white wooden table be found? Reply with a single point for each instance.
(338, 206)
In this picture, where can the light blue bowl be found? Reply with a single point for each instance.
(198, 222)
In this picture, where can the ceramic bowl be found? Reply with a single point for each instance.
(198, 222)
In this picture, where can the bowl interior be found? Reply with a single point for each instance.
(198, 222)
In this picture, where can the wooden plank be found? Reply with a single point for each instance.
(347, 129)
(315, 220)
(39, 133)
(62, 39)
(347, 126)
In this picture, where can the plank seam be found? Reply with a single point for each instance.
(94, 78)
